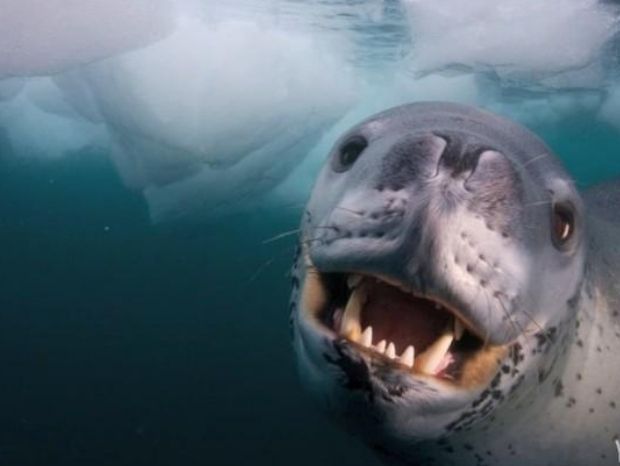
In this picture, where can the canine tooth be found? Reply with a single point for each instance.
(350, 326)
(353, 280)
(407, 357)
(381, 346)
(390, 352)
(367, 337)
(429, 361)
(314, 296)
(458, 329)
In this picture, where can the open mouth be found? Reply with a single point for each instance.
(394, 326)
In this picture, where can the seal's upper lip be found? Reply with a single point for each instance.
(390, 324)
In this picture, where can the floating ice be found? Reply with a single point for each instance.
(182, 115)
(190, 108)
(556, 43)
(39, 123)
(41, 37)
(206, 106)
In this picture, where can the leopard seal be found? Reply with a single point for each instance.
(455, 298)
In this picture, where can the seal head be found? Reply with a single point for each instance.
(441, 255)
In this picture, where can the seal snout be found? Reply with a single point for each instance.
(440, 269)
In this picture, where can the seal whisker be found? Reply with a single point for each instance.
(535, 158)
(529, 316)
(489, 311)
(356, 212)
(537, 203)
(516, 326)
(277, 237)
(261, 268)
(286, 234)
(267, 263)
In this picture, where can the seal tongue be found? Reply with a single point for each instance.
(402, 318)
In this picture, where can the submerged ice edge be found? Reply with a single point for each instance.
(227, 104)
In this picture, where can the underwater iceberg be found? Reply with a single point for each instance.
(205, 107)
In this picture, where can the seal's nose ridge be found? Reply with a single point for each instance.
(461, 155)
(409, 160)
(419, 156)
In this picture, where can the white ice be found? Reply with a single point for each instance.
(41, 37)
(553, 43)
(206, 106)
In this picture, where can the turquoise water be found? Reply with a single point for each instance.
(129, 342)
(141, 345)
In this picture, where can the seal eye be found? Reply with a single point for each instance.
(563, 226)
(349, 152)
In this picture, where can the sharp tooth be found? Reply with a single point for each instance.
(390, 352)
(458, 329)
(429, 361)
(367, 337)
(353, 280)
(350, 326)
(407, 357)
(381, 346)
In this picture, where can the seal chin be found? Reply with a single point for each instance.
(388, 324)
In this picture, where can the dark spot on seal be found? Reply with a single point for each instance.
(517, 384)
(357, 376)
(558, 389)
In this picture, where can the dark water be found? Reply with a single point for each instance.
(128, 344)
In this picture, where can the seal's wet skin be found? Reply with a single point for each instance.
(454, 299)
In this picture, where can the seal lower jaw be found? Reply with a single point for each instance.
(388, 324)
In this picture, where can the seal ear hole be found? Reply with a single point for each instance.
(562, 223)
(349, 152)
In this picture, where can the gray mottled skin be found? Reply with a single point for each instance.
(456, 203)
